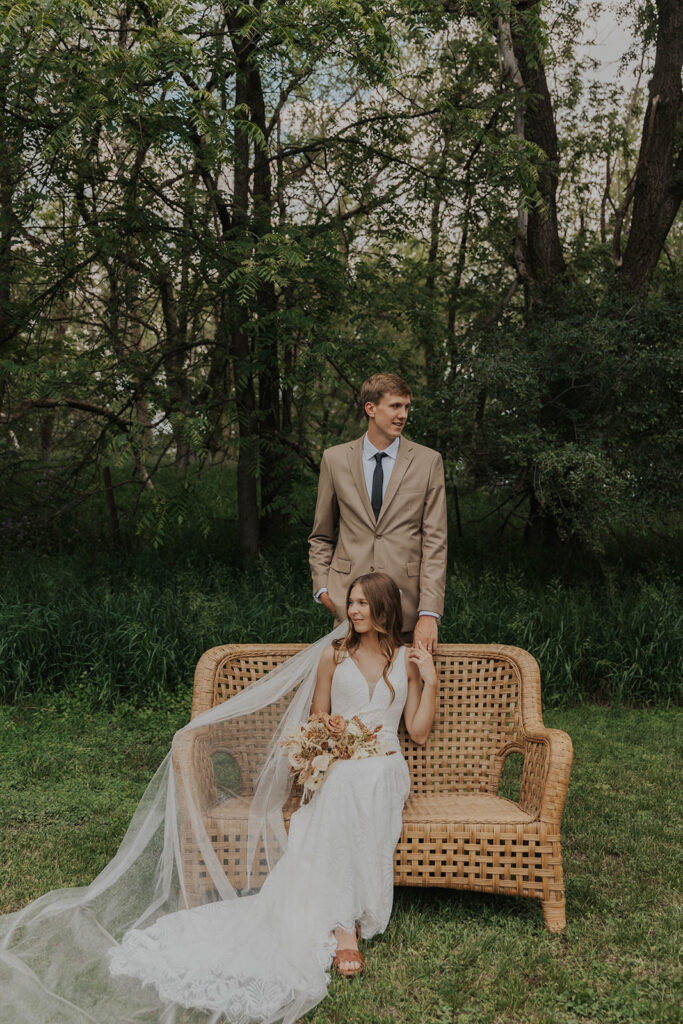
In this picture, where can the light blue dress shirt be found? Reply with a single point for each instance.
(369, 464)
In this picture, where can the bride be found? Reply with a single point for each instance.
(250, 956)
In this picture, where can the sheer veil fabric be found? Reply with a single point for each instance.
(56, 953)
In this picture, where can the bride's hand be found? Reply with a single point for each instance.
(421, 657)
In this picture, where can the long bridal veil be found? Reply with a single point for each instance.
(55, 953)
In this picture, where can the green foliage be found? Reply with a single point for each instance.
(574, 400)
(193, 272)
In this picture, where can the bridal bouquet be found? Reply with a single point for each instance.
(316, 744)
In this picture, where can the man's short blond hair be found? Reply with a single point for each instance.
(380, 384)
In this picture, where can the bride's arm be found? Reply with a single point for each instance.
(322, 695)
(421, 701)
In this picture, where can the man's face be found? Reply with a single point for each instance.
(389, 414)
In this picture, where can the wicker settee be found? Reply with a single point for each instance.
(458, 832)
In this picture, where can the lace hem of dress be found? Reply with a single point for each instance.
(241, 998)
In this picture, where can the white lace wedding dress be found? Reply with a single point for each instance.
(265, 957)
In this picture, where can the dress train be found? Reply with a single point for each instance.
(265, 957)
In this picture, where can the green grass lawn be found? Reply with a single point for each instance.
(70, 778)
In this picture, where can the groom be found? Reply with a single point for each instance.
(386, 497)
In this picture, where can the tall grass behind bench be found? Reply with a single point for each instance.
(133, 629)
(606, 642)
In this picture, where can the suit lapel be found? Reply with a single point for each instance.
(355, 456)
(403, 460)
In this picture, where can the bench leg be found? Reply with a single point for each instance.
(554, 915)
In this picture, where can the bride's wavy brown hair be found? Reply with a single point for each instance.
(386, 615)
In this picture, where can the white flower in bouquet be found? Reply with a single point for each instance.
(315, 782)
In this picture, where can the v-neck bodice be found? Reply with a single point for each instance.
(352, 694)
(371, 686)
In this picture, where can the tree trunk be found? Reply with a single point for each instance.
(113, 511)
(265, 344)
(124, 340)
(543, 247)
(10, 145)
(454, 349)
(538, 249)
(430, 326)
(213, 397)
(268, 356)
(541, 527)
(247, 457)
(245, 396)
(657, 185)
(174, 362)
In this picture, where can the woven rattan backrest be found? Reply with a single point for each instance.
(245, 664)
(479, 710)
(478, 714)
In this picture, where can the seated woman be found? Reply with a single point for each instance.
(371, 675)
(268, 953)
(264, 956)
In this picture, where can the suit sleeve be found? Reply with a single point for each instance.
(434, 541)
(322, 539)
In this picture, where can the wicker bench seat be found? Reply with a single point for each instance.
(466, 808)
(458, 832)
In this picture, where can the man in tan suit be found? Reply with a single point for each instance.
(382, 506)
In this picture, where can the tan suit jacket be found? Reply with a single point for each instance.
(408, 541)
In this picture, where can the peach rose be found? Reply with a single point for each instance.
(318, 716)
(335, 725)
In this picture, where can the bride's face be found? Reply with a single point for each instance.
(359, 610)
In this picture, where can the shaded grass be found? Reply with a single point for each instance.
(71, 777)
(134, 628)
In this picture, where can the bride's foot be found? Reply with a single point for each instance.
(348, 960)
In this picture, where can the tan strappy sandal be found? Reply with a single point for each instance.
(349, 962)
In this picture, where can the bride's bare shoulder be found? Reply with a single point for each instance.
(329, 659)
(333, 655)
(329, 656)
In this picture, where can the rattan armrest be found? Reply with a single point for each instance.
(194, 751)
(191, 756)
(203, 694)
(545, 775)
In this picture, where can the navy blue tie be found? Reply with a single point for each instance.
(377, 483)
